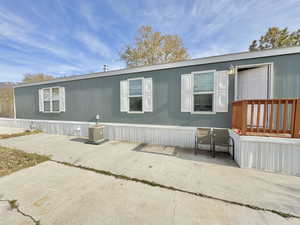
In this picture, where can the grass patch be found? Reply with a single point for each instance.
(27, 132)
(12, 160)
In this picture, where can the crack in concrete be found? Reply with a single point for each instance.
(13, 204)
(198, 194)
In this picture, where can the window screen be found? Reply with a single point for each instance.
(203, 102)
(135, 87)
(203, 91)
(203, 82)
(136, 104)
(136, 95)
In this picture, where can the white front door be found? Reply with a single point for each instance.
(252, 83)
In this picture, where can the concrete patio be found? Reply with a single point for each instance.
(56, 194)
(175, 167)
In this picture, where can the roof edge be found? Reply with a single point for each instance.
(191, 62)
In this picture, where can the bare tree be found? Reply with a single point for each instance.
(153, 48)
(31, 78)
(276, 38)
(6, 100)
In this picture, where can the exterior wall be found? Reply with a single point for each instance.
(287, 77)
(88, 97)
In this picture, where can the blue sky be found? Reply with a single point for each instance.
(68, 37)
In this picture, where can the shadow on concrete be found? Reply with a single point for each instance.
(82, 140)
(85, 140)
(222, 158)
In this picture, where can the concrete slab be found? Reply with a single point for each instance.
(8, 216)
(10, 130)
(172, 167)
(57, 194)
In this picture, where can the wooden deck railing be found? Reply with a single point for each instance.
(267, 117)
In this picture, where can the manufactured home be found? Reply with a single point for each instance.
(255, 93)
(196, 93)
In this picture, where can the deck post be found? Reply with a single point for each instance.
(296, 126)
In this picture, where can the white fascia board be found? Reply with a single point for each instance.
(200, 61)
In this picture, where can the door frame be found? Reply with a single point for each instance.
(270, 77)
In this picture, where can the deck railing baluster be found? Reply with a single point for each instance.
(258, 116)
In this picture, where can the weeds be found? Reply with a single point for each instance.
(12, 160)
(27, 132)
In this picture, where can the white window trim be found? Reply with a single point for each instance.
(207, 92)
(51, 100)
(129, 96)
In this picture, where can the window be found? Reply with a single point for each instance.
(203, 91)
(136, 95)
(52, 99)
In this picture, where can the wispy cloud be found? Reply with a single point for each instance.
(212, 50)
(66, 37)
(87, 12)
(94, 44)
(13, 26)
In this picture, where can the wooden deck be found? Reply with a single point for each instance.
(267, 117)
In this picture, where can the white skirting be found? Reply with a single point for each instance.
(280, 155)
(272, 154)
(150, 134)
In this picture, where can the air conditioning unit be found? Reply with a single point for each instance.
(96, 134)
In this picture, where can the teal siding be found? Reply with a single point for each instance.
(85, 98)
(287, 77)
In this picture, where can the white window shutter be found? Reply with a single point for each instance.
(147, 95)
(41, 100)
(124, 96)
(221, 91)
(62, 99)
(186, 92)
